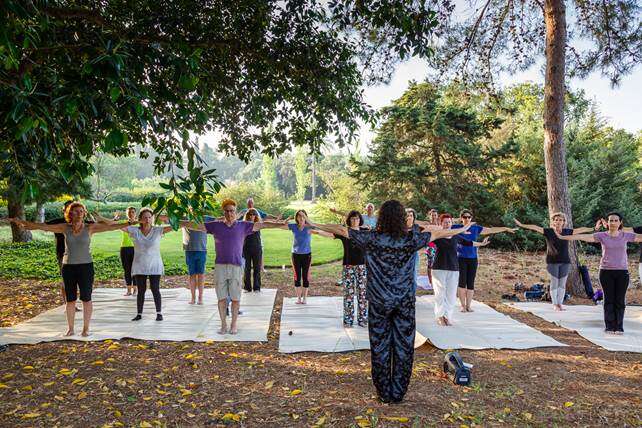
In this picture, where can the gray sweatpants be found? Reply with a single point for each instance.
(559, 275)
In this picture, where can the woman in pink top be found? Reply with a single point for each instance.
(614, 270)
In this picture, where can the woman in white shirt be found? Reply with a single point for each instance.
(148, 263)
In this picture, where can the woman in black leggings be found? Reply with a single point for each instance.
(253, 254)
(148, 264)
(77, 264)
(614, 269)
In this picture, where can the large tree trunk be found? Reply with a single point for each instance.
(16, 209)
(554, 145)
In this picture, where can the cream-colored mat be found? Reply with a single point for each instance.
(318, 326)
(182, 322)
(588, 322)
(484, 328)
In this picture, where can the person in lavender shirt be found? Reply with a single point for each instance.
(229, 236)
(614, 269)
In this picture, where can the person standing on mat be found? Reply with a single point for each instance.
(60, 246)
(614, 269)
(431, 249)
(354, 274)
(302, 253)
(558, 260)
(411, 222)
(195, 247)
(445, 270)
(467, 257)
(252, 254)
(390, 250)
(127, 252)
(148, 263)
(229, 236)
(77, 264)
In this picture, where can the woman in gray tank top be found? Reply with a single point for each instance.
(77, 264)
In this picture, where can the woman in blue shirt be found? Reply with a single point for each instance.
(467, 256)
(302, 253)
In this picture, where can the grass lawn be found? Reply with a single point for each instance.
(105, 246)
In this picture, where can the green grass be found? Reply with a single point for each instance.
(37, 259)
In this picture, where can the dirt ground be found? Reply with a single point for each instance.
(146, 383)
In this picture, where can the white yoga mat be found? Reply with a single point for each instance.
(182, 322)
(318, 327)
(482, 329)
(588, 322)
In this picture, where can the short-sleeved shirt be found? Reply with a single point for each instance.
(446, 258)
(369, 220)
(639, 230)
(464, 249)
(147, 254)
(556, 248)
(195, 240)
(614, 249)
(302, 239)
(262, 213)
(229, 240)
(126, 241)
(352, 254)
(391, 264)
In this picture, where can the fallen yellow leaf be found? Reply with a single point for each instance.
(98, 363)
(568, 404)
(396, 419)
(82, 395)
(30, 415)
(527, 416)
(2, 385)
(231, 417)
(295, 392)
(27, 368)
(145, 424)
(269, 384)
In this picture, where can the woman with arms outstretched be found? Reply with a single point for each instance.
(77, 264)
(614, 269)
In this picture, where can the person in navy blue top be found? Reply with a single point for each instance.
(467, 256)
(390, 251)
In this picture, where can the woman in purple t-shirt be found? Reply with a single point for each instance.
(614, 270)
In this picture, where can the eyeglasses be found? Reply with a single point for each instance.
(466, 216)
(229, 211)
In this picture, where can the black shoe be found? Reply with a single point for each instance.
(137, 318)
(159, 317)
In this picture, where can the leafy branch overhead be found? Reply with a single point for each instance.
(265, 75)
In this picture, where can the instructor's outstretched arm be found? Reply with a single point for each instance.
(493, 230)
(532, 227)
(445, 233)
(578, 237)
(331, 229)
(29, 225)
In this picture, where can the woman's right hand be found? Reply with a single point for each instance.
(517, 222)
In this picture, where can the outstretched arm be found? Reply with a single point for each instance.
(445, 233)
(192, 226)
(341, 213)
(331, 229)
(270, 224)
(426, 226)
(532, 227)
(483, 243)
(103, 220)
(493, 230)
(579, 237)
(29, 225)
(104, 227)
(322, 233)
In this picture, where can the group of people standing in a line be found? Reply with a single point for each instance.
(380, 266)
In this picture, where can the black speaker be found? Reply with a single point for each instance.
(454, 365)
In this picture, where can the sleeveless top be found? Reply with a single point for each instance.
(77, 247)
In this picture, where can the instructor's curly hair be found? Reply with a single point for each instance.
(392, 219)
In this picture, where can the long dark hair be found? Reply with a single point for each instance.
(354, 213)
(392, 219)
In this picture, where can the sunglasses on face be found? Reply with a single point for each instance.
(466, 216)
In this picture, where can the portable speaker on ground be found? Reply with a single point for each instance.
(454, 365)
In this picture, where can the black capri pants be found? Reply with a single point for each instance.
(614, 284)
(467, 272)
(154, 285)
(127, 259)
(78, 277)
(301, 264)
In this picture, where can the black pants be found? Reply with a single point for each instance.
(252, 258)
(467, 272)
(78, 277)
(392, 347)
(301, 264)
(614, 284)
(154, 284)
(126, 259)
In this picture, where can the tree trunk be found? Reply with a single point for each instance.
(554, 145)
(40, 212)
(16, 209)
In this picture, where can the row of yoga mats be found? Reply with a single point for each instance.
(318, 325)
